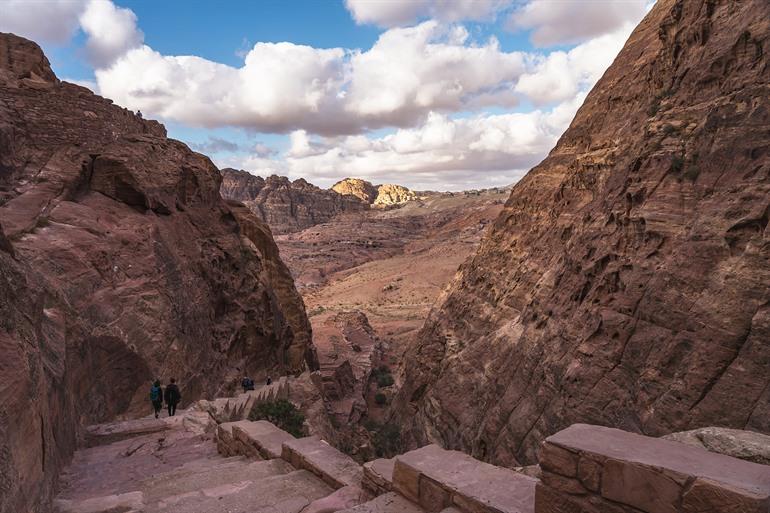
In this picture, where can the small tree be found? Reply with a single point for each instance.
(282, 413)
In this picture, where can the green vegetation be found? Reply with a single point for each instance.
(677, 164)
(383, 376)
(386, 439)
(282, 413)
(380, 399)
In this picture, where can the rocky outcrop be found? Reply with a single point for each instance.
(625, 283)
(745, 445)
(119, 262)
(361, 189)
(391, 194)
(379, 195)
(285, 205)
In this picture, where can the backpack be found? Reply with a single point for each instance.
(155, 394)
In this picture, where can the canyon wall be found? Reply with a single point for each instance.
(285, 205)
(626, 282)
(119, 262)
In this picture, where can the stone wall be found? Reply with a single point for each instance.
(593, 469)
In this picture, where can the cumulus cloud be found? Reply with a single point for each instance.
(391, 13)
(281, 87)
(559, 76)
(54, 21)
(556, 22)
(441, 153)
(110, 30)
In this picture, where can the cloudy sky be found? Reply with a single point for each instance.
(438, 94)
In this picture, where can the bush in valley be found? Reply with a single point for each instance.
(380, 399)
(282, 413)
(383, 376)
(386, 438)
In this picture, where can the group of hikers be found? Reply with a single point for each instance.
(248, 384)
(171, 395)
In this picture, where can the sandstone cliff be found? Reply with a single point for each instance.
(119, 262)
(285, 205)
(379, 195)
(626, 281)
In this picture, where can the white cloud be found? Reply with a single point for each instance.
(282, 86)
(441, 153)
(555, 22)
(111, 31)
(559, 76)
(52, 21)
(392, 13)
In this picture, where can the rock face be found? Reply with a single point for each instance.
(392, 194)
(361, 189)
(285, 205)
(625, 283)
(380, 195)
(119, 262)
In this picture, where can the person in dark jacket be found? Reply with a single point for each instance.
(156, 397)
(172, 397)
(247, 383)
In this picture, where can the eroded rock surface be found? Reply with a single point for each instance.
(625, 283)
(119, 262)
(285, 205)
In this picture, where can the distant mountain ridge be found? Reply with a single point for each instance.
(290, 206)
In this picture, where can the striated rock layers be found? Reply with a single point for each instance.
(626, 281)
(119, 262)
(285, 205)
(378, 195)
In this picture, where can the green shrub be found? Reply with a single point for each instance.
(281, 413)
(387, 440)
(653, 108)
(677, 163)
(380, 399)
(668, 129)
(385, 380)
(692, 172)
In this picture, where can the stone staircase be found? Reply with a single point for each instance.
(192, 464)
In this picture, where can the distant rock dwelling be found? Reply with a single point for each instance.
(626, 282)
(285, 205)
(119, 262)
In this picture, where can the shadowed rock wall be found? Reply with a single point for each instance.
(119, 262)
(626, 281)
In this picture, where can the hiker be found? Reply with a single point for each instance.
(156, 396)
(139, 114)
(172, 397)
(269, 381)
(247, 383)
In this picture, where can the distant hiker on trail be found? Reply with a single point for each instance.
(247, 383)
(139, 114)
(172, 397)
(269, 381)
(156, 396)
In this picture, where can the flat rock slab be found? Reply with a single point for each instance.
(378, 475)
(387, 503)
(676, 460)
(266, 438)
(746, 445)
(436, 478)
(196, 476)
(109, 503)
(103, 434)
(313, 454)
(289, 493)
(345, 497)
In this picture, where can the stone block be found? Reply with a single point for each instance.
(317, 456)
(433, 496)
(567, 485)
(644, 488)
(406, 480)
(590, 473)
(378, 476)
(265, 438)
(705, 496)
(558, 460)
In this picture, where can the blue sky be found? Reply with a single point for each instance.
(445, 94)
